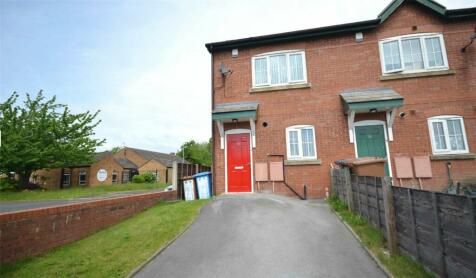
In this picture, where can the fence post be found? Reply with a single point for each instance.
(413, 222)
(174, 175)
(359, 201)
(390, 224)
(378, 204)
(348, 189)
(367, 199)
(472, 213)
(441, 243)
(197, 170)
(333, 185)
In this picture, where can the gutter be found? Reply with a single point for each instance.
(294, 35)
(213, 126)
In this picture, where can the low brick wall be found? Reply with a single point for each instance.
(31, 232)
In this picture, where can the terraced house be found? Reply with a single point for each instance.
(401, 87)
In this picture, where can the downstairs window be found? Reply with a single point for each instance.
(300, 142)
(448, 135)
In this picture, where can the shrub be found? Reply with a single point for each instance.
(7, 183)
(138, 179)
(144, 178)
(149, 177)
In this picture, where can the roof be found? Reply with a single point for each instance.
(100, 155)
(363, 100)
(165, 159)
(372, 94)
(341, 28)
(235, 110)
(125, 163)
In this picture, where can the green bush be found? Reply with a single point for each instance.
(138, 179)
(7, 183)
(144, 178)
(148, 177)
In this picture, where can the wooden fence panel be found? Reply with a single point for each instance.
(437, 229)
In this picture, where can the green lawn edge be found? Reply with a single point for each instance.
(75, 192)
(114, 251)
(372, 238)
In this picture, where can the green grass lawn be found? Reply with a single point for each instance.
(74, 191)
(115, 251)
(398, 265)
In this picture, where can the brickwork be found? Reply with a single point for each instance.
(154, 166)
(110, 165)
(32, 232)
(338, 63)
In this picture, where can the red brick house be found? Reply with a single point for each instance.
(400, 85)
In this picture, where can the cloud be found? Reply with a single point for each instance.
(159, 109)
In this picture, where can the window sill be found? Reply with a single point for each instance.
(459, 156)
(416, 74)
(280, 88)
(303, 162)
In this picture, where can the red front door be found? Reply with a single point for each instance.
(238, 162)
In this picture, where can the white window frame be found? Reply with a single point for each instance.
(422, 37)
(268, 71)
(443, 119)
(298, 128)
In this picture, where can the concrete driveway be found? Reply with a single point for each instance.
(258, 235)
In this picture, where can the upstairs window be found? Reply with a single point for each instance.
(301, 143)
(279, 68)
(413, 53)
(448, 135)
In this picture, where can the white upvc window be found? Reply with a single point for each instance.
(413, 53)
(448, 135)
(279, 68)
(301, 142)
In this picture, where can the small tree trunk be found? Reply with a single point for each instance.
(24, 179)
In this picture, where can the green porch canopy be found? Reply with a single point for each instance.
(239, 111)
(375, 99)
(235, 110)
(365, 100)
(371, 101)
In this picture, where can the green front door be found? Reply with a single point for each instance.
(370, 141)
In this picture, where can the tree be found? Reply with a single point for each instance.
(197, 153)
(43, 134)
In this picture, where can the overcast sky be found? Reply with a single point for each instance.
(143, 63)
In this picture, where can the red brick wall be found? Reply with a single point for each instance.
(338, 63)
(32, 232)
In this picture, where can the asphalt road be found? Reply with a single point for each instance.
(260, 235)
(11, 206)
